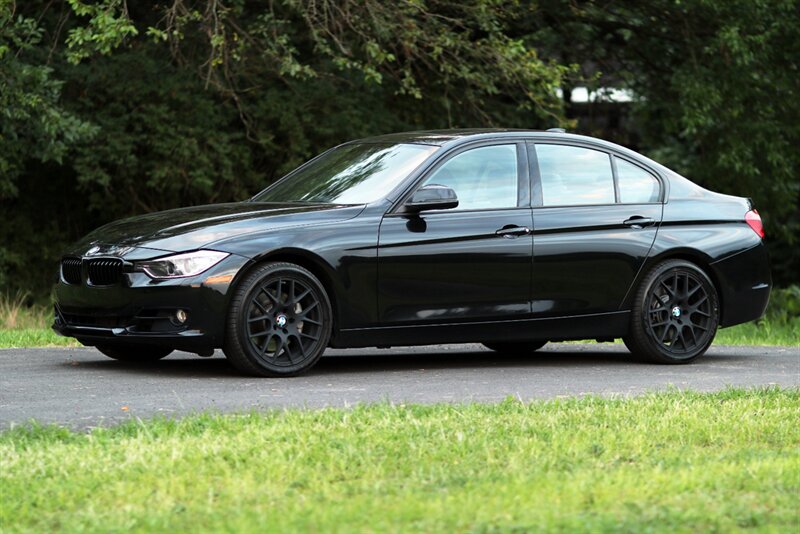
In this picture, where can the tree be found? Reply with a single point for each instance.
(35, 128)
(34, 125)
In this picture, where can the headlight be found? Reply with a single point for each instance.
(181, 265)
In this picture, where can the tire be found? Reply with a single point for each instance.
(134, 353)
(279, 321)
(519, 347)
(675, 314)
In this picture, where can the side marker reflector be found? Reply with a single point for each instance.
(221, 279)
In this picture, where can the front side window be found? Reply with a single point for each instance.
(636, 185)
(483, 178)
(350, 174)
(573, 176)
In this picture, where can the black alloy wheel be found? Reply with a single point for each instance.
(515, 347)
(675, 315)
(131, 352)
(279, 321)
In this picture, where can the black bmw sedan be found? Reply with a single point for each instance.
(506, 238)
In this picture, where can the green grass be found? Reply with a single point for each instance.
(17, 312)
(668, 462)
(34, 337)
(23, 324)
(764, 332)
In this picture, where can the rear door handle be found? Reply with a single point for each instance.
(513, 231)
(637, 221)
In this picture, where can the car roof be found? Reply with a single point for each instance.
(459, 136)
(456, 137)
(443, 137)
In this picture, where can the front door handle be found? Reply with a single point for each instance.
(637, 221)
(511, 231)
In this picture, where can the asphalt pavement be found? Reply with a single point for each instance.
(80, 388)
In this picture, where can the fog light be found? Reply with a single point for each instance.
(181, 316)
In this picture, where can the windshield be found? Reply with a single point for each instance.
(350, 174)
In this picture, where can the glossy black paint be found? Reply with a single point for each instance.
(575, 247)
(449, 266)
(402, 278)
(203, 226)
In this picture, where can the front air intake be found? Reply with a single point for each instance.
(104, 271)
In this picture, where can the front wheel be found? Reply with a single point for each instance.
(675, 314)
(279, 321)
(515, 347)
(134, 353)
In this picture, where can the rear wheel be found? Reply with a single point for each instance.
(518, 347)
(675, 314)
(279, 321)
(133, 352)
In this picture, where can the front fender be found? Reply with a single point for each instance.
(345, 260)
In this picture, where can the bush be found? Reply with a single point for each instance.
(784, 305)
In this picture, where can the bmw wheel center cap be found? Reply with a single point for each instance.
(676, 312)
(280, 320)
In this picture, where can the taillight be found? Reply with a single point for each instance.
(753, 219)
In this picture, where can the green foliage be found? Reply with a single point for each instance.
(458, 53)
(33, 124)
(107, 28)
(784, 304)
(166, 141)
(36, 130)
(667, 462)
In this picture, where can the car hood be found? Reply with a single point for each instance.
(200, 226)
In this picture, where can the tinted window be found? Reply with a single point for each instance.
(636, 185)
(350, 174)
(573, 175)
(482, 178)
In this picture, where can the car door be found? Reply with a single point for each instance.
(467, 263)
(595, 217)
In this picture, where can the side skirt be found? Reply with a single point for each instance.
(599, 325)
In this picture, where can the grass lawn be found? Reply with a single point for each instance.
(34, 337)
(664, 462)
(764, 332)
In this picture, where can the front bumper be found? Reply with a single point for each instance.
(139, 309)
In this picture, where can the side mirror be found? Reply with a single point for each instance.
(432, 197)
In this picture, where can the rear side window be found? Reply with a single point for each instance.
(575, 176)
(636, 185)
(483, 178)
